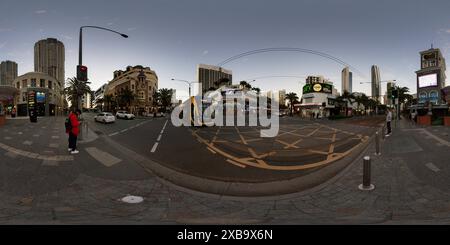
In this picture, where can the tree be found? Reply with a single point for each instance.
(164, 97)
(257, 90)
(245, 85)
(361, 100)
(75, 90)
(126, 97)
(345, 98)
(292, 98)
(108, 99)
(222, 81)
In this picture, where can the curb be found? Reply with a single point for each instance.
(316, 180)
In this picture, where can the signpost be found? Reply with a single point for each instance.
(32, 106)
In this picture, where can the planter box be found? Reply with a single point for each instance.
(447, 121)
(424, 120)
(2, 120)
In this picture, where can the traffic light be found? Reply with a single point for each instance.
(395, 93)
(82, 73)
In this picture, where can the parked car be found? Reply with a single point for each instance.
(124, 115)
(105, 117)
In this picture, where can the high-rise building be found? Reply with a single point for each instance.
(375, 72)
(213, 77)
(49, 57)
(347, 78)
(431, 77)
(8, 72)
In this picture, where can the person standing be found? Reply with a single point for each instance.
(73, 130)
(388, 122)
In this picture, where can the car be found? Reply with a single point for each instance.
(105, 117)
(124, 115)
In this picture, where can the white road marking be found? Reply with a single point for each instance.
(27, 142)
(432, 167)
(103, 157)
(124, 130)
(55, 137)
(7, 138)
(154, 147)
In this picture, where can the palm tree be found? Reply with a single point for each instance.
(108, 99)
(292, 98)
(164, 96)
(346, 97)
(222, 81)
(245, 85)
(127, 96)
(75, 89)
(257, 90)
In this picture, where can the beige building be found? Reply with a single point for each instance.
(208, 76)
(142, 81)
(49, 58)
(50, 100)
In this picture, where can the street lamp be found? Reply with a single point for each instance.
(80, 50)
(189, 83)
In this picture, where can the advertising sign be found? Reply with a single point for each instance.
(429, 80)
(31, 100)
(317, 88)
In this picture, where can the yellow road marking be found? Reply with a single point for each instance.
(235, 163)
(211, 150)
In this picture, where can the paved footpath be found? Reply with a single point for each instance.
(411, 178)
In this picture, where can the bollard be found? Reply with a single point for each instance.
(377, 144)
(366, 185)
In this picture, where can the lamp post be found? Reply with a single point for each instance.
(189, 83)
(80, 50)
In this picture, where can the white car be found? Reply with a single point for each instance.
(105, 117)
(124, 115)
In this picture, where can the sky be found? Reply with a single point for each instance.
(172, 37)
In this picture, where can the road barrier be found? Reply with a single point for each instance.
(366, 185)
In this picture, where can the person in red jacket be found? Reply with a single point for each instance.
(74, 131)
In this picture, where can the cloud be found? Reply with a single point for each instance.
(205, 52)
(66, 37)
(43, 11)
(2, 45)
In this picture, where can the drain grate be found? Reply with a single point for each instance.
(132, 199)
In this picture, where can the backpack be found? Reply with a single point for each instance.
(68, 124)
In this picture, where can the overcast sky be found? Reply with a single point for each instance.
(172, 37)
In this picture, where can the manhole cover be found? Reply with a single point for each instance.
(132, 199)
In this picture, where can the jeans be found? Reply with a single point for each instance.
(389, 130)
(72, 141)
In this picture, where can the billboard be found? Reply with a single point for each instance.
(40, 97)
(318, 88)
(429, 80)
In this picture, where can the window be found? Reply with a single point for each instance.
(50, 84)
(18, 85)
(24, 97)
(24, 83)
(42, 83)
(33, 82)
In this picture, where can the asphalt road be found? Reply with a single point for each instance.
(239, 154)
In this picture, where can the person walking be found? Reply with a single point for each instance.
(72, 128)
(388, 122)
